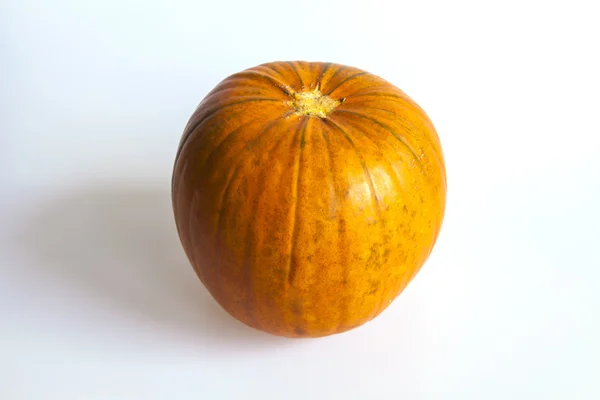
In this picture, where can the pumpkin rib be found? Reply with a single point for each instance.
(266, 128)
(335, 73)
(233, 89)
(220, 220)
(360, 92)
(280, 76)
(374, 198)
(399, 182)
(415, 128)
(402, 96)
(363, 164)
(345, 80)
(343, 256)
(202, 168)
(208, 115)
(276, 83)
(246, 269)
(427, 176)
(395, 175)
(322, 74)
(271, 69)
(406, 102)
(213, 151)
(384, 126)
(293, 67)
(237, 81)
(231, 135)
(250, 79)
(374, 94)
(330, 164)
(253, 141)
(291, 271)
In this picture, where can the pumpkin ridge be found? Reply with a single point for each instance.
(363, 164)
(257, 74)
(413, 127)
(393, 132)
(329, 170)
(374, 94)
(224, 91)
(206, 117)
(202, 168)
(321, 75)
(248, 80)
(291, 274)
(197, 177)
(360, 92)
(345, 80)
(335, 73)
(394, 176)
(399, 182)
(221, 206)
(249, 263)
(343, 257)
(368, 176)
(408, 103)
(278, 79)
(276, 83)
(293, 67)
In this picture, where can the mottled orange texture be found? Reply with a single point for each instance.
(307, 195)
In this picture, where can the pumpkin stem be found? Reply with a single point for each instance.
(313, 103)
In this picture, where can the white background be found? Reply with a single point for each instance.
(97, 300)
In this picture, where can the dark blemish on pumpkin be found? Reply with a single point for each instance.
(318, 236)
(342, 227)
(309, 258)
(386, 253)
(296, 309)
(299, 331)
(404, 208)
(374, 256)
(342, 100)
(373, 288)
(413, 214)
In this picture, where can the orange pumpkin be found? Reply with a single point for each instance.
(308, 195)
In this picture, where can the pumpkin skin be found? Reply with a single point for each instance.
(307, 195)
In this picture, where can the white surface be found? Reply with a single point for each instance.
(97, 300)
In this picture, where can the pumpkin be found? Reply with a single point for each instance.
(307, 195)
